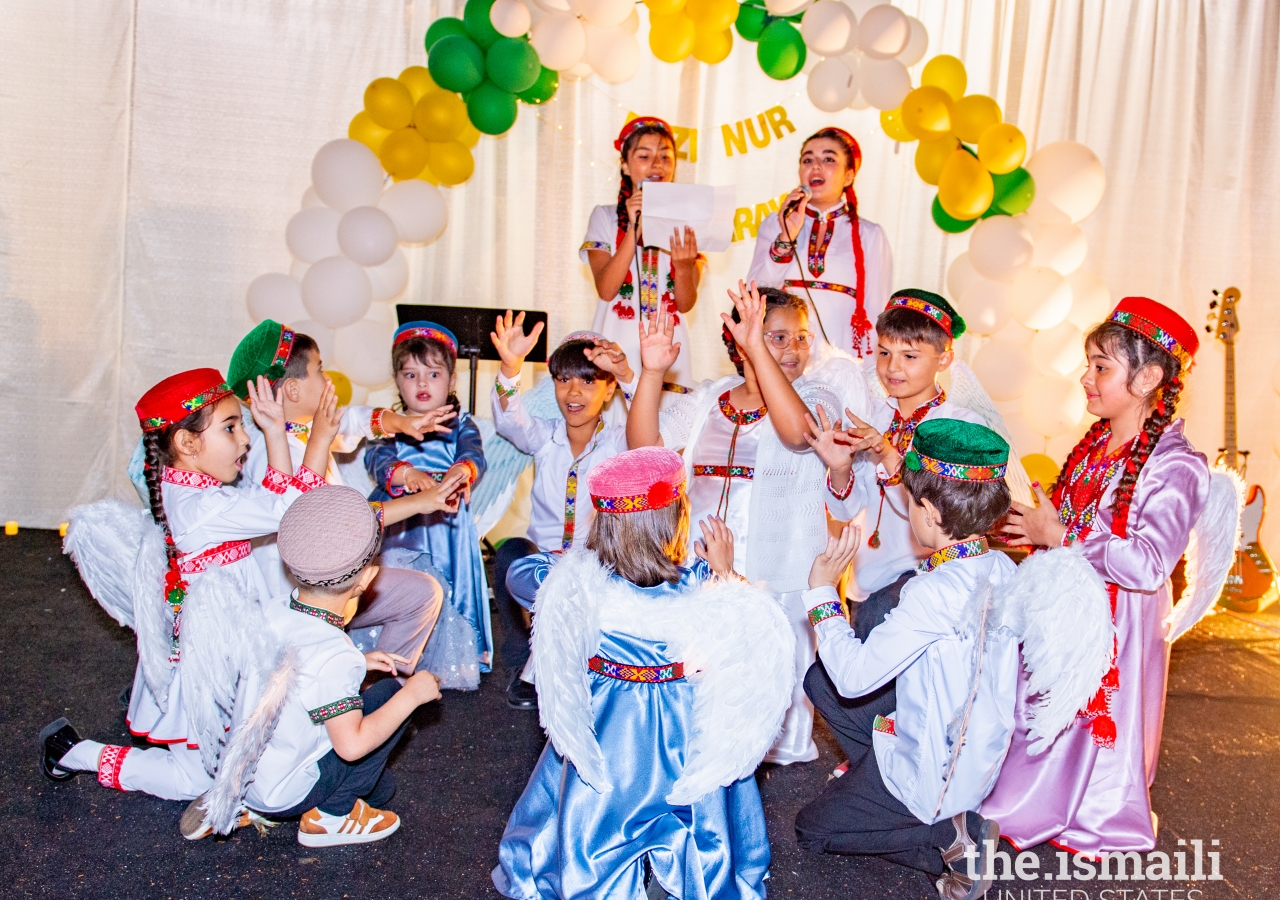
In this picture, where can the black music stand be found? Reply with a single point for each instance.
(471, 325)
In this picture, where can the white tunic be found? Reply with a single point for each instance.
(710, 459)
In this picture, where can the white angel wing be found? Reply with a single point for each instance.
(505, 463)
(967, 391)
(103, 540)
(1058, 606)
(1211, 552)
(152, 615)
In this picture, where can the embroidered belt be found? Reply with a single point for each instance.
(638, 674)
(221, 555)
(821, 286)
(747, 473)
(883, 725)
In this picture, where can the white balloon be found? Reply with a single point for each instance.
(312, 234)
(960, 274)
(860, 7)
(1053, 405)
(389, 280)
(275, 296)
(604, 13)
(1275, 378)
(632, 21)
(553, 6)
(1004, 368)
(884, 82)
(1039, 298)
(319, 333)
(917, 44)
(1060, 246)
(362, 352)
(1070, 176)
(336, 292)
(1090, 299)
(1058, 350)
(310, 198)
(985, 305)
(787, 7)
(560, 40)
(883, 32)
(367, 235)
(1043, 212)
(579, 71)
(999, 247)
(359, 393)
(346, 174)
(510, 18)
(613, 53)
(384, 313)
(418, 210)
(830, 28)
(859, 102)
(831, 85)
(297, 269)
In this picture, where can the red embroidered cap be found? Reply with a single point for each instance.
(640, 122)
(647, 478)
(855, 149)
(1160, 325)
(178, 396)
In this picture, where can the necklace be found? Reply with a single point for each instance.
(900, 435)
(738, 418)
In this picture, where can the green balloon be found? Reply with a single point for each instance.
(491, 109)
(543, 89)
(443, 28)
(946, 222)
(1014, 191)
(456, 63)
(751, 21)
(781, 50)
(512, 64)
(479, 27)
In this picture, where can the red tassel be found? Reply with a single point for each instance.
(1104, 731)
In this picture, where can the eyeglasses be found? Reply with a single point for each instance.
(781, 340)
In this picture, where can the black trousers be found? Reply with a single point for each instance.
(341, 783)
(515, 633)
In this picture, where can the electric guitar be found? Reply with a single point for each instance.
(1251, 584)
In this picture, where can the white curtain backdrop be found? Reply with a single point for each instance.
(152, 152)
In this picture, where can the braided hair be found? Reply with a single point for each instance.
(626, 187)
(426, 351)
(159, 453)
(774, 298)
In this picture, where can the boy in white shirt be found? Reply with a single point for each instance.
(921, 759)
(587, 369)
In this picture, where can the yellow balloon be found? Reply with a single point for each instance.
(664, 7)
(965, 188)
(419, 82)
(1041, 468)
(470, 135)
(932, 155)
(671, 37)
(341, 386)
(450, 161)
(712, 47)
(1002, 148)
(426, 174)
(440, 115)
(711, 15)
(389, 103)
(403, 153)
(367, 131)
(972, 115)
(891, 122)
(946, 72)
(926, 113)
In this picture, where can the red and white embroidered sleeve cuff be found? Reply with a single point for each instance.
(781, 254)
(471, 467)
(375, 424)
(110, 761)
(376, 506)
(396, 490)
(276, 481)
(306, 480)
(842, 494)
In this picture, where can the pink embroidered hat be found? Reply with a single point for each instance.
(328, 535)
(648, 478)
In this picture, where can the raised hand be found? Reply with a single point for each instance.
(684, 252)
(749, 333)
(328, 418)
(830, 565)
(437, 421)
(716, 546)
(867, 438)
(1035, 526)
(792, 221)
(658, 348)
(512, 344)
(266, 406)
(830, 443)
(610, 357)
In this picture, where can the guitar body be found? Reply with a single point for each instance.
(1251, 585)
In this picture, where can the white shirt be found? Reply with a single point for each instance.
(329, 676)
(927, 644)
(547, 441)
(705, 489)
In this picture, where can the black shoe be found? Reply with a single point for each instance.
(56, 739)
(126, 695)
(521, 694)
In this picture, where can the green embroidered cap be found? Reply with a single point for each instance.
(932, 305)
(263, 351)
(961, 451)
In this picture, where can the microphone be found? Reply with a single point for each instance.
(795, 204)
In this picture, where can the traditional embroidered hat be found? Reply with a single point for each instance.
(263, 351)
(1160, 325)
(647, 478)
(932, 305)
(855, 149)
(178, 396)
(637, 123)
(958, 450)
(582, 336)
(328, 535)
(427, 330)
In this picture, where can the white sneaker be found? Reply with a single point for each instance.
(362, 825)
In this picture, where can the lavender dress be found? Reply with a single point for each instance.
(1079, 795)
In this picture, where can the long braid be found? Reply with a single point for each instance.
(625, 190)
(1154, 426)
(153, 471)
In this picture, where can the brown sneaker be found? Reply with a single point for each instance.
(194, 828)
(362, 825)
(961, 882)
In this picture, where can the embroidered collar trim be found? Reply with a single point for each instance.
(186, 478)
(322, 614)
(962, 550)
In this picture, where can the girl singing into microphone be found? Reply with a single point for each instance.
(823, 251)
(641, 281)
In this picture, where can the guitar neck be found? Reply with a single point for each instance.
(1231, 452)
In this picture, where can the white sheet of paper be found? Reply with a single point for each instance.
(705, 208)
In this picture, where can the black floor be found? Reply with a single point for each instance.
(467, 759)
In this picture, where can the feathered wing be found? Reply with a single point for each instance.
(1059, 607)
(504, 462)
(841, 374)
(1210, 553)
(152, 615)
(103, 540)
(967, 391)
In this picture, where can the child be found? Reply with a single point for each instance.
(315, 745)
(650, 764)
(446, 546)
(195, 448)
(820, 247)
(747, 459)
(907, 795)
(586, 369)
(666, 281)
(1128, 495)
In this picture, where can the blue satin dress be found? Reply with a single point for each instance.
(566, 841)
